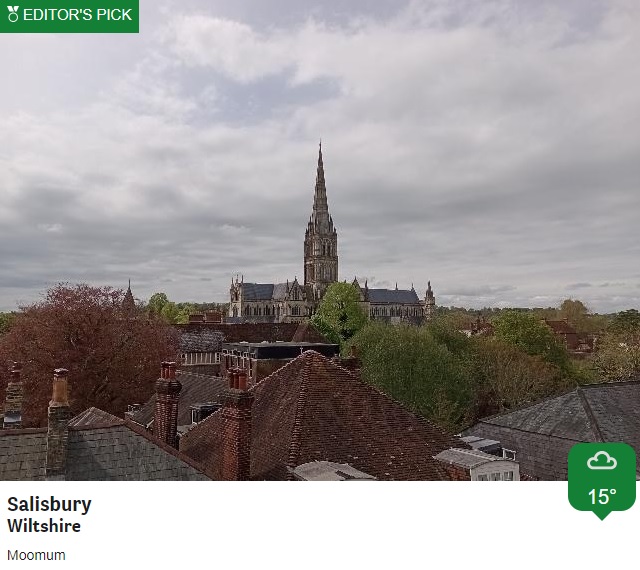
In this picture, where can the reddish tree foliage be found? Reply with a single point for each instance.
(112, 353)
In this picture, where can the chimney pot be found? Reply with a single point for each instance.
(242, 380)
(16, 371)
(58, 428)
(60, 396)
(236, 432)
(13, 399)
(165, 422)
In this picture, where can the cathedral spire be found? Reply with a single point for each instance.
(320, 240)
(320, 197)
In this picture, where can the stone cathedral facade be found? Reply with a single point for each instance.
(293, 301)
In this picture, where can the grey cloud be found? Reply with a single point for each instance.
(466, 147)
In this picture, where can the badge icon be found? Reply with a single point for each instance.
(602, 477)
(13, 13)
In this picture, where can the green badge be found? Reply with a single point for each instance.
(602, 477)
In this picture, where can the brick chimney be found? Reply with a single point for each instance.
(13, 399)
(58, 428)
(236, 428)
(165, 420)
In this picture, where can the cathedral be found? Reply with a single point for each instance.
(293, 301)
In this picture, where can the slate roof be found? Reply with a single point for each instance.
(110, 450)
(542, 434)
(23, 454)
(196, 389)
(393, 296)
(267, 291)
(313, 410)
(203, 339)
(257, 291)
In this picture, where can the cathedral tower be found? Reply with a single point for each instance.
(320, 242)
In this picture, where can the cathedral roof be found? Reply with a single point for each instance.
(393, 296)
(266, 291)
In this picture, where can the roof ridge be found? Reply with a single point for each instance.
(528, 431)
(547, 398)
(595, 428)
(296, 431)
(138, 429)
(522, 407)
(104, 419)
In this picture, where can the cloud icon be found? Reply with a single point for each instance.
(602, 460)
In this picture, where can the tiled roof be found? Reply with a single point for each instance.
(393, 296)
(313, 410)
(196, 389)
(95, 417)
(560, 327)
(120, 453)
(23, 454)
(115, 450)
(542, 434)
(202, 339)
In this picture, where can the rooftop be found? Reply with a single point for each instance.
(310, 410)
(543, 433)
(101, 447)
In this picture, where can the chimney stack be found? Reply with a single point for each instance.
(165, 421)
(58, 428)
(13, 399)
(236, 428)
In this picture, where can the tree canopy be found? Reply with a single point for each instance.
(339, 315)
(618, 350)
(449, 378)
(112, 355)
(524, 330)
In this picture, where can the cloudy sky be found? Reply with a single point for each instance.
(491, 147)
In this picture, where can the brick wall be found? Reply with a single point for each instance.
(236, 429)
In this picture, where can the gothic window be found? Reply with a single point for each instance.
(235, 311)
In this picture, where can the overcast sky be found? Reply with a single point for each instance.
(490, 147)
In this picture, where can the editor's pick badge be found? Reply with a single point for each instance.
(602, 477)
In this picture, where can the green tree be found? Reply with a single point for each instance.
(173, 313)
(170, 312)
(5, 321)
(340, 311)
(524, 330)
(157, 303)
(626, 323)
(575, 312)
(618, 350)
(411, 366)
(506, 377)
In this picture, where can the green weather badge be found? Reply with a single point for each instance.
(602, 477)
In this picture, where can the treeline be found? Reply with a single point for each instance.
(453, 379)
(178, 313)
(573, 310)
